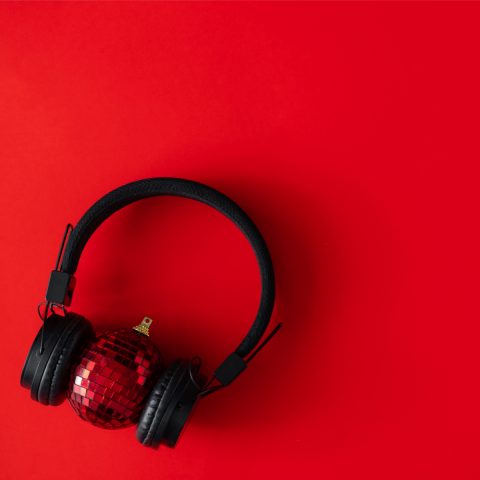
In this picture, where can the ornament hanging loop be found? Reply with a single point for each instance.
(144, 326)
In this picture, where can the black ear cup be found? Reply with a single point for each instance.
(169, 404)
(46, 373)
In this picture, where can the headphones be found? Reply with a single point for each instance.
(159, 400)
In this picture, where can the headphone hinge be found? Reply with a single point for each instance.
(60, 288)
(230, 369)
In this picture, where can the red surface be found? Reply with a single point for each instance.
(349, 132)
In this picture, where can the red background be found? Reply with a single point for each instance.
(349, 132)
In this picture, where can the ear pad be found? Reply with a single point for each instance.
(168, 406)
(46, 373)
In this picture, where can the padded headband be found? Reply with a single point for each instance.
(151, 187)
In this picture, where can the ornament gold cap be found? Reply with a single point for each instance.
(144, 326)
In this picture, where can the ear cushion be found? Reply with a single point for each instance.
(37, 357)
(158, 401)
(51, 390)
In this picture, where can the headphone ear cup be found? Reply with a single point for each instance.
(168, 405)
(46, 373)
(52, 388)
(155, 405)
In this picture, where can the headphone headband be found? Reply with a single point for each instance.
(132, 192)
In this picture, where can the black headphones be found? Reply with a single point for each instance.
(57, 346)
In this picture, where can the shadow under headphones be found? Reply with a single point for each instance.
(161, 399)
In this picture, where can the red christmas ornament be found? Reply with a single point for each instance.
(113, 377)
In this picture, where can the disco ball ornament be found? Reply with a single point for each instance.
(114, 375)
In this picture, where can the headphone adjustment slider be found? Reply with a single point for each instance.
(60, 288)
